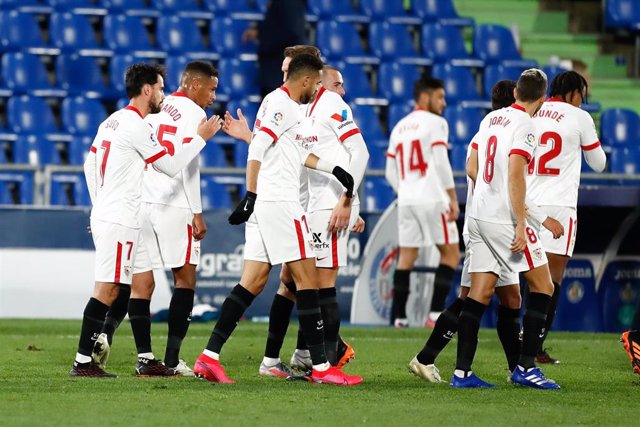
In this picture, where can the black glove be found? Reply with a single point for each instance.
(244, 209)
(345, 179)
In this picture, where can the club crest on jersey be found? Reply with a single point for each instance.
(277, 118)
(537, 253)
(340, 117)
(530, 140)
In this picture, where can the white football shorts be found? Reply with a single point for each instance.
(490, 247)
(277, 232)
(425, 225)
(167, 232)
(506, 277)
(116, 247)
(330, 248)
(569, 219)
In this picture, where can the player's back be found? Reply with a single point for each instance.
(411, 146)
(280, 117)
(122, 150)
(563, 131)
(332, 123)
(502, 133)
(176, 124)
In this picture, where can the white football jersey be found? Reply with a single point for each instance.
(123, 146)
(411, 145)
(175, 125)
(502, 133)
(470, 184)
(280, 117)
(554, 173)
(332, 123)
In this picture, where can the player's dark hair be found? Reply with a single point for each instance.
(426, 84)
(293, 51)
(141, 74)
(201, 67)
(303, 63)
(328, 67)
(532, 85)
(564, 83)
(502, 94)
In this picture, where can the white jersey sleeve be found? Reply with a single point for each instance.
(590, 144)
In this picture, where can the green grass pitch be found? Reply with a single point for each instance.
(598, 385)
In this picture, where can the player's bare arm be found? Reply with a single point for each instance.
(199, 227)
(517, 190)
(472, 165)
(340, 215)
(237, 128)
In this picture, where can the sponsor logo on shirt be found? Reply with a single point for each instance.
(340, 117)
(277, 118)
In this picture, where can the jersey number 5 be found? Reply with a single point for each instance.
(416, 159)
(556, 147)
(168, 145)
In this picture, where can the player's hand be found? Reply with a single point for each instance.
(244, 209)
(454, 211)
(520, 240)
(199, 227)
(345, 179)
(340, 215)
(358, 227)
(237, 128)
(554, 227)
(208, 128)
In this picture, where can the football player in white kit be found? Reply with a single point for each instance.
(500, 236)
(172, 227)
(419, 171)
(277, 229)
(123, 146)
(507, 287)
(564, 131)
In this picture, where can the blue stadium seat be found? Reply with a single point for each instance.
(78, 149)
(181, 35)
(495, 44)
(117, 69)
(622, 14)
(21, 32)
(378, 194)
(340, 40)
(458, 157)
(458, 81)
(240, 78)
(26, 73)
(377, 154)
(240, 153)
(444, 43)
(27, 114)
(89, 82)
(356, 82)
(552, 71)
(367, 120)
(249, 110)
(212, 156)
(392, 42)
(335, 10)
(19, 184)
(494, 73)
(35, 150)
(463, 123)
(31, 6)
(620, 127)
(82, 116)
(625, 160)
(395, 81)
(442, 11)
(71, 4)
(240, 9)
(129, 7)
(127, 34)
(174, 66)
(390, 11)
(69, 189)
(176, 5)
(226, 38)
(214, 193)
(72, 32)
(397, 111)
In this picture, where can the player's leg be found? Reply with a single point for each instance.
(116, 313)
(330, 311)
(449, 260)
(401, 285)
(557, 265)
(508, 324)
(180, 315)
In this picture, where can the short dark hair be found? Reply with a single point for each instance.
(502, 94)
(426, 84)
(532, 85)
(565, 83)
(303, 63)
(293, 51)
(201, 67)
(141, 74)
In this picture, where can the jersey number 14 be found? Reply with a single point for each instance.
(416, 159)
